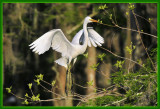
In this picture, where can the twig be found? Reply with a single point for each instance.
(50, 90)
(122, 57)
(137, 24)
(56, 99)
(17, 96)
(136, 31)
(115, 15)
(146, 20)
(46, 82)
(32, 92)
(117, 102)
(116, 25)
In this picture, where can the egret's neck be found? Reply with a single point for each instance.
(85, 33)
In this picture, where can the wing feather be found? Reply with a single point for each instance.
(93, 43)
(55, 39)
(77, 37)
(94, 38)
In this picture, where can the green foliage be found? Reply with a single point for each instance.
(101, 101)
(119, 64)
(53, 82)
(101, 56)
(85, 55)
(136, 84)
(153, 53)
(94, 66)
(118, 78)
(110, 16)
(35, 98)
(26, 95)
(40, 76)
(9, 89)
(99, 21)
(130, 48)
(90, 83)
(104, 89)
(102, 7)
(131, 6)
(106, 100)
(25, 102)
(37, 81)
(127, 13)
(30, 85)
(150, 19)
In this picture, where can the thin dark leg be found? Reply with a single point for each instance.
(66, 91)
(72, 75)
(72, 91)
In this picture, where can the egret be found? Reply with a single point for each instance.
(69, 50)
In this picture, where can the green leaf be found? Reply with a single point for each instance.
(37, 81)
(30, 85)
(101, 56)
(127, 13)
(26, 95)
(35, 98)
(130, 48)
(131, 6)
(100, 21)
(94, 66)
(102, 7)
(53, 82)
(25, 102)
(119, 64)
(150, 19)
(9, 89)
(85, 55)
(40, 76)
(95, 90)
(104, 89)
(90, 83)
(110, 16)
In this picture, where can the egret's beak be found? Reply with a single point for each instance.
(93, 20)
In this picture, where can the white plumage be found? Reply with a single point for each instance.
(69, 50)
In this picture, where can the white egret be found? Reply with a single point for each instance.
(69, 50)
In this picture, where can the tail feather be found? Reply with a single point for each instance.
(62, 61)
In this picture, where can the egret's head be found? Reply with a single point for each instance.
(89, 19)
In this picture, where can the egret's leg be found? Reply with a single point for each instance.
(72, 74)
(72, 91)
(74, 61)
(66, 91)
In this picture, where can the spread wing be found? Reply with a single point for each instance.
(94, 38)
(55, 39)
(79, 38)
